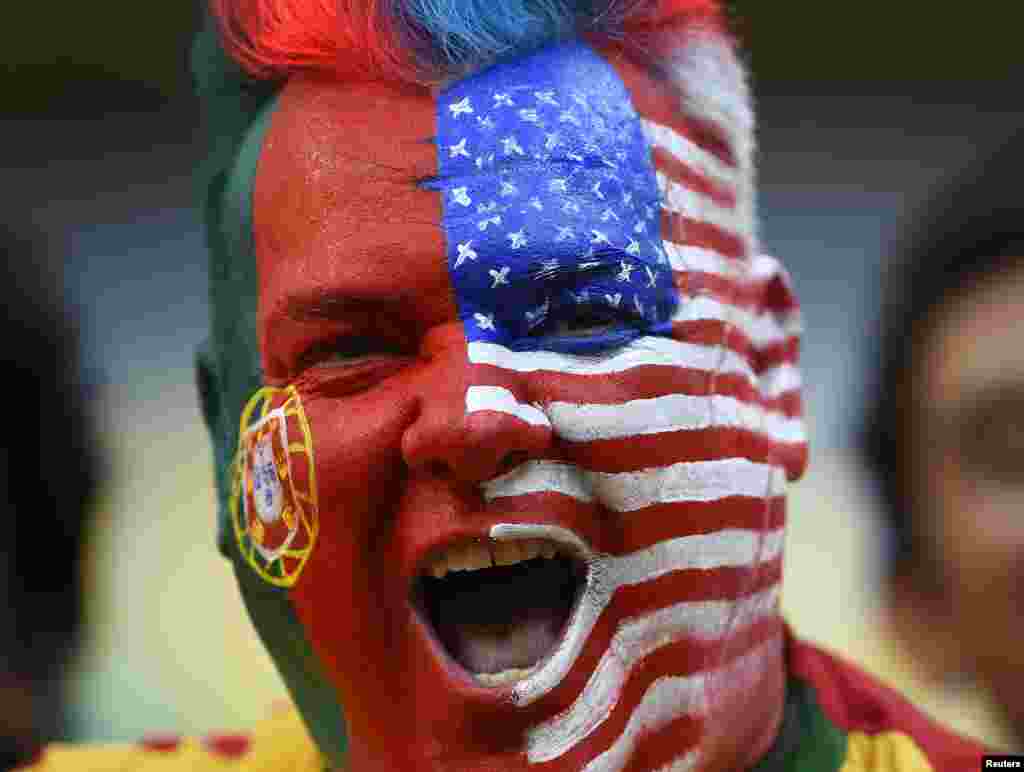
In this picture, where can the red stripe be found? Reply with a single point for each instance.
(697, 585)
(644, 527)
(714, 332)
(678, 171)
(697, 233)
(657, 99)
(656, 750)
(642, 382)
(646, 451)
(766, 295)
(671, 520)
(682, 658)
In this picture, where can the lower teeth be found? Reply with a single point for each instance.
(504, 677)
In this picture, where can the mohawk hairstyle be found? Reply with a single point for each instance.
(429, 42)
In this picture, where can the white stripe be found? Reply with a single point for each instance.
(634, 640)
(729, 548)
(763, 329)
(780, 380)
(672, 697)
(685, 482)
(481, 398)
(630, 491)
(697, 206)
(690, 153)
(672, 413)
(649, 350)
(684, 257)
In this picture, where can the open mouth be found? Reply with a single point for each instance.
(500, 607)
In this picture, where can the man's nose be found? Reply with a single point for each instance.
(474, 422)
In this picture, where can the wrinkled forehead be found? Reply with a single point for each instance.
(336, 197)
(533, 168)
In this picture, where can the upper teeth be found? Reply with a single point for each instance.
(472, 556)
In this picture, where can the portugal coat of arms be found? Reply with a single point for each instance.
(274, 500)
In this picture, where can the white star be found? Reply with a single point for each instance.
(614, 300)
(545, 97)
(633, 248)
(502, 99)
(596, 190)
(640, 227)
(499, 276)
(571, 207)
(599, 237)
(564, 233)
(608, 214)
(461, 196)
(460, 107)
(510, 145)
(466, 252)
(649, 212)
(558, 185)
(579, 99)
(486, 122)
(508, 189)
(484, 321)
(518, 238)
(551, 140)
(479, 162)
(488, 221)
(529, 115)
(536, 204)
(652, 277)
(627, 198)
(627, 269)
(490, 206)
(459, 149)
(538, 314)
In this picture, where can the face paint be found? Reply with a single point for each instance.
(274, 506)
(502, 354)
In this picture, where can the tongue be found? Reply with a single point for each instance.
(492, 648)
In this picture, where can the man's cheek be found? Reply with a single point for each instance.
(359, 478)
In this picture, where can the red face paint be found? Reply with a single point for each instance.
(422, 445)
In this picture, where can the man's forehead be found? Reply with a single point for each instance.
(533, 170)
(337, 192)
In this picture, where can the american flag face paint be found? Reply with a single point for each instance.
(551, 206)
(439, 286)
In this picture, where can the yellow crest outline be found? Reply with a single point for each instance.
(284, 569)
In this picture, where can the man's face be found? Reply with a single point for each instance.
(970, 476)
(541, 552)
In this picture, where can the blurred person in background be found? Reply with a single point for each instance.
(48, 472)
(946, 433)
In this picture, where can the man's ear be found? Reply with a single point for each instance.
(778, 364)
(209, 392)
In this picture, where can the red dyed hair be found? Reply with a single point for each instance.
(359, 39)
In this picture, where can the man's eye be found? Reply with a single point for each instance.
(584, 322)
(343, 351)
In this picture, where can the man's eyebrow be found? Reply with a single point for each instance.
(325, 304)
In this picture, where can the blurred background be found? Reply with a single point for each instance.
(864, 109)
